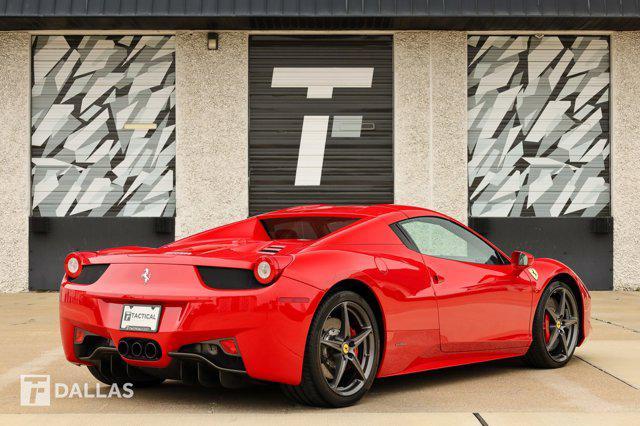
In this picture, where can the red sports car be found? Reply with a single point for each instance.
(321, 299)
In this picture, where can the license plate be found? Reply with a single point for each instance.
(140, 318)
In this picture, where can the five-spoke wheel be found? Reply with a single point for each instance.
(561, 324)
(347, 348)
(342, 353)
(556, 327)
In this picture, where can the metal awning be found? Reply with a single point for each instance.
(320, 14)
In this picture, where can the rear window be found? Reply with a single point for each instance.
(304, 228)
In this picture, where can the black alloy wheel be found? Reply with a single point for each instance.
(556, 327)
(342, 354)
(561, 324)
(347, 348)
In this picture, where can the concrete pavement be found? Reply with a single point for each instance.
(601, 384)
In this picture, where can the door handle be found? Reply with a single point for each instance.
(438, 279)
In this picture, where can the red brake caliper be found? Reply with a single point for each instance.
(353, 333)
(547, 333)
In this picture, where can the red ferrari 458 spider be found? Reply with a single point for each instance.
(321, 299)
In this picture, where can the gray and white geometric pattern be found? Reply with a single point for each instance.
(103, 126)
(538, 126)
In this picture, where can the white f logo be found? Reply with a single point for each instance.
(320, 83)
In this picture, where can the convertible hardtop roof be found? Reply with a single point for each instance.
(348, 211)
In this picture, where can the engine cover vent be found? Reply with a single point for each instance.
(272, 249)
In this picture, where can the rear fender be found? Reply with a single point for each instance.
(324, 268)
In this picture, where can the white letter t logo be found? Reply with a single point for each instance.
(320, 83)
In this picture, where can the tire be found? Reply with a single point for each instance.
(110, 380)
(322, 384)
(547, 351)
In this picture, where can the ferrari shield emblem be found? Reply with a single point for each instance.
(533, 273)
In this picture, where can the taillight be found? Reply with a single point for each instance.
(266, 270)
(73, 265)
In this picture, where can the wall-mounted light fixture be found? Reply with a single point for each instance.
(212, 41)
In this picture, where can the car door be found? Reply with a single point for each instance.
(484, 302)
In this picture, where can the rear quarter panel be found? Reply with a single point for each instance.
(374, 255)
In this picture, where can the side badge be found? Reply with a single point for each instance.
(533, 273)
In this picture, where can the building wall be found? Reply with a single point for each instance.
(625, 174)
(430, 151)
(15, 170)
(212, 103)
(412, 124)
(430, 140)
(449, 122)
(212, 131)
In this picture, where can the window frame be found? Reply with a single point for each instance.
(406, 239)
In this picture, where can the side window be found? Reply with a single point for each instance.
(439, 237)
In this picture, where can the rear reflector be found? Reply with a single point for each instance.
(229, 346)
(79, 335)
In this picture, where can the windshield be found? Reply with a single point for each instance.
(304, 228)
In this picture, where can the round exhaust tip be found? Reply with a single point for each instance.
(150, 351)
(123, 348)
(136, 349)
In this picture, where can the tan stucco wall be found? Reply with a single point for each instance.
(212, 139)
(430, 138)
(449, 122)
(14, 151)
(625, 152)
(412, 118)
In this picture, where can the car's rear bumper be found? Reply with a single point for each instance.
(269, 325)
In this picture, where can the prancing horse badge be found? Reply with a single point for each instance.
(146, 275)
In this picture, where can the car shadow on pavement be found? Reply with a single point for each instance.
(268, 398)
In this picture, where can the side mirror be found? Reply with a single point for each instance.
(521, 258)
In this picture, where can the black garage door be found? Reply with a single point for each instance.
(321, 121)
